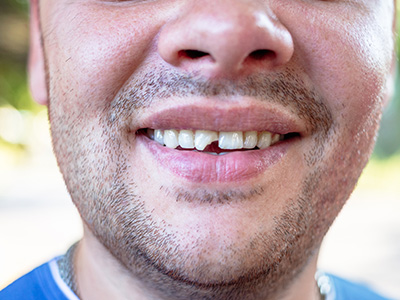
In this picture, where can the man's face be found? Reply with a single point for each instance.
(312, 72)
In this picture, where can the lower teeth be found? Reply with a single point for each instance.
(213, 153)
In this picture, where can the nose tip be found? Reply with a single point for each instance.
(225, 38)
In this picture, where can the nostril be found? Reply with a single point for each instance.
(192, 54)
(262, 54)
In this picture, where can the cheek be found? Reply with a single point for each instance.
(94, 50)
(346, 56)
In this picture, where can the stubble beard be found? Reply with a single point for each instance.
(97, 177)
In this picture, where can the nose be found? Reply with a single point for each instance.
(225, 38)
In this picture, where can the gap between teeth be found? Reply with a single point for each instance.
(200, 139)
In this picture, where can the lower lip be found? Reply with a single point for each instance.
(206, 168)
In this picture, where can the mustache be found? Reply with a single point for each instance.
(285, 88)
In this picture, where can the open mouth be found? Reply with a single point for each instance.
(211, 144)
(215, 142)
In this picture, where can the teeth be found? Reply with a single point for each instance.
(171, 138)
(230, 140)
(264, 140)
(186, 139)
(250, 139)
(200, 139)
(150, 133)
(159, 136)
(275, 138)
(203, 138)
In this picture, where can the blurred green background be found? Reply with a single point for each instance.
(17, 109)
(32, 194)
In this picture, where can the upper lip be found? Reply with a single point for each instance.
(250, 118)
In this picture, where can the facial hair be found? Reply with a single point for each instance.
(96, 171)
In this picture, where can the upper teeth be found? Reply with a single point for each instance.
(200, 139)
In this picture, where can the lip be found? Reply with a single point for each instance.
(236, 166)
(251, 118)
(200, 167)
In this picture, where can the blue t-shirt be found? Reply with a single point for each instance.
(45, 283)
(341, 289)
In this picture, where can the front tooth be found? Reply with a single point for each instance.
(250, 139)
(186, 139)
(203, 138)
(159, 136)
(230, 140)
(264, 140)
(171, 138)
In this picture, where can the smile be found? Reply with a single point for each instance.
(201, 144)
(173, 152)
(214, 142)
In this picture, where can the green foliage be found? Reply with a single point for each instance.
(14, 91)
(13, 55)
(19, 6)
(13, 87)
(388, 142)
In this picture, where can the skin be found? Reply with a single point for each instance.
(148, 232)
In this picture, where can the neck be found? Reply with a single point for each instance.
(101, 276)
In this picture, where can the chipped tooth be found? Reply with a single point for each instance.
(159, 136)
(264, 140)
(275, 138)
(250, 139)
(186, 139)
(230, 140)
(203, 138)
(171, 138)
